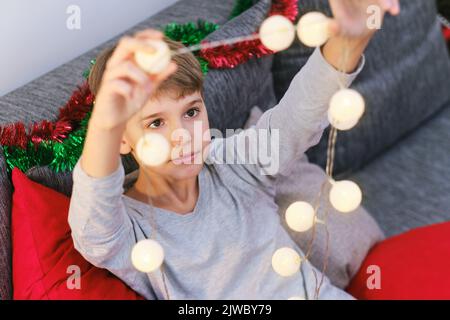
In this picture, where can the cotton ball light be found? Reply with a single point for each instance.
(300, 216)
(286, 262)
(147, 255)
(154, 62)
(346, 108)
(313, 29)
(153, 149)
(345, 196)
(277, 33)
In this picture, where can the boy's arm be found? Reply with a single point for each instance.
(102, 230)
(298, 121)
(285, 132)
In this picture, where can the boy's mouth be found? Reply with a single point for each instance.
(186, 159)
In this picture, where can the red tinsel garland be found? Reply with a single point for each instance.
(447, 33)
(70, 115)
(230, 56)
(287, 8)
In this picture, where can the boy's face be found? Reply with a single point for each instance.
(183, 122)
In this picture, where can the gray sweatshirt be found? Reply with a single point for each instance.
(222, 249)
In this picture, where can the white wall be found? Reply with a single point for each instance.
(34, 37)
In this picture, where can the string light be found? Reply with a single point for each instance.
(300, 216)
(156, 60)
(313, 29)
(346, 108)
(153, 149)
(147, 255)
(345, 196)
(286, 262)
(277, 33)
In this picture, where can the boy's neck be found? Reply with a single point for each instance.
(177, 196)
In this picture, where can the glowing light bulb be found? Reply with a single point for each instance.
(277, 33)
(300, 216)
(345, 196)
(153, 149)
(147, 255)
(286, 262)
(313, 29)
(154, 62)
(346, 108)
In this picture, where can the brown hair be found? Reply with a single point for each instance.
(187, 79)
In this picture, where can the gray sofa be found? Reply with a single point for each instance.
(399, 153)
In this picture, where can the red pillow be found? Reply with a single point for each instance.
(414, 265)
(43, 250)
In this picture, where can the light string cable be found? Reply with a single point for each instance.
(343, 61)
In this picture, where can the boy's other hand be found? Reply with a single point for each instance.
(351, 16)
(125, 87)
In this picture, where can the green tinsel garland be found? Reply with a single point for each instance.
(67, 153)
(88, 70)
(59, 156)
(191, 34)
(24, 159)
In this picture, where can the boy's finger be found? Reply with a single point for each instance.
(391, 6)
(385, 4)
(395, 10)
(122, 88)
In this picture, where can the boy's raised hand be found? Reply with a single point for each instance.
(350, 16)
(125, 87)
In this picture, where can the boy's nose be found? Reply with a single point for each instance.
(180, 137)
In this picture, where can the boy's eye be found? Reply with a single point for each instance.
(155, 124)
(192, 112)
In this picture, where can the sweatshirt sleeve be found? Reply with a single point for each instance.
(286, 131)
(102, 230)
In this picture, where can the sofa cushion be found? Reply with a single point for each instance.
(405, 81)
(409, 185)
(410, 266)
(351, 235)
(46, 265)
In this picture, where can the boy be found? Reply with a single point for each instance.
(217, 222)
